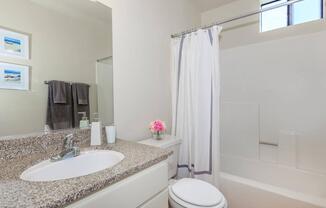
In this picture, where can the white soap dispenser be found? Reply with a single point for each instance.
(83, 123)
(96, 131)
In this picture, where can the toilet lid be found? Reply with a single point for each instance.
(197, 192)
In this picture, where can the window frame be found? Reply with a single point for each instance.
(289, 13)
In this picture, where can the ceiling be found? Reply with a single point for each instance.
(96, 11)
(79, 8)
(205, 5)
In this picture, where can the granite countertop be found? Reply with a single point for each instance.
(18, 193)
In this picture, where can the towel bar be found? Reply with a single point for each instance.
(268, 143)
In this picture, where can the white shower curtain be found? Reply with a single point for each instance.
(196, 103)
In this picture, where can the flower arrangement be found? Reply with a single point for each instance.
(157, 128)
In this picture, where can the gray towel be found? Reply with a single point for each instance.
(59, 92)
(59, 115)
(80, 96)
(82, 93)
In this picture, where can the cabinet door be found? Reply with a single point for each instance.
(159, 201)
(131, 192)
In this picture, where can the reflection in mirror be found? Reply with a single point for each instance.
(104, 80)
(56, 67)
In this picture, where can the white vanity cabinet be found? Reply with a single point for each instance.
(146, 189)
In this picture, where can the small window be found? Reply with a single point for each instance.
(297, 13)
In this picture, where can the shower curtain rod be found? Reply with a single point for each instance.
(235, 18)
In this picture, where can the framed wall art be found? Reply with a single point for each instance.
(14, 44)
(13, 76)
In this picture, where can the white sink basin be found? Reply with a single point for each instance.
(87, 163)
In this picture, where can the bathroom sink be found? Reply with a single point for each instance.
(86, 163)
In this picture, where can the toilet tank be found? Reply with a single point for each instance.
(169, 143)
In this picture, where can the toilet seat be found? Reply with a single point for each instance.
(193, 193)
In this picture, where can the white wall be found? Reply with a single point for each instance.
(141, 59)
(62, 48)
(273, 89)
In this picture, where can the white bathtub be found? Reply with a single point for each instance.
(257, 184)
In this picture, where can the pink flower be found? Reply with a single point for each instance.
(157, 126)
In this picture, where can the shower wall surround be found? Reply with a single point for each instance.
(273, 111)
(272, 84)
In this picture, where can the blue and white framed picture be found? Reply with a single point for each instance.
(14, 44)
(14, 77)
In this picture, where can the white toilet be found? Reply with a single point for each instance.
(187, 192)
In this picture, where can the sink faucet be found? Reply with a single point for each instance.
(69, 149)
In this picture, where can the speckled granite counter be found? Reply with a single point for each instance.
(15, 192)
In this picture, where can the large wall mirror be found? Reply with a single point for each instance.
(55, 65)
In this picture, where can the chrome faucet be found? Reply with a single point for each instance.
(69, 149)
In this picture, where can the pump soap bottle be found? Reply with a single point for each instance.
(84, 123)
